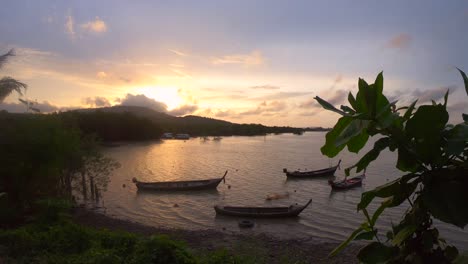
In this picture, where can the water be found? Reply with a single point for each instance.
(255, 170)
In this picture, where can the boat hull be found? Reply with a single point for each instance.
(348, 184)
(179, 185)
(261, 212)
(311, 174)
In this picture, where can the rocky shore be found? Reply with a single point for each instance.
(268, 249)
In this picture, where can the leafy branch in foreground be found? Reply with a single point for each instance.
(432, 153)
(8, 84)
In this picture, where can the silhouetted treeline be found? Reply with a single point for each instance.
(193, 125)
(108, 126)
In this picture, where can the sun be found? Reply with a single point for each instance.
(168, 95)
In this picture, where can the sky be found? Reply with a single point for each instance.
(241, 61)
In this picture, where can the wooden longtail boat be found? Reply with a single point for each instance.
(261, 212)
(179, 185)
(315, 173)
(347, 183)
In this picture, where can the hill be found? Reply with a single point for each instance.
(193, 125)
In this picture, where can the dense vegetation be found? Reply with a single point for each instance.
(54, 238)
(153, 123)
(432, 153)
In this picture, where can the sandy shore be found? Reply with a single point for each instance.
(272, 250)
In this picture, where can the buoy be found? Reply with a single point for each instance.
(229, 186)
(176, 205)
(246, 223)
(123, 185)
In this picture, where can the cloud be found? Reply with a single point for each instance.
(400, 41)
(338, 79)
(281, 95)
(101, 75)
(177, 52)
(127, 80)
(44, 107)
(70, 26)
(433, 94)
(142, 100)
(266, 87)
(253, 59)
(460, 107)
(266, 108)
(225, 113)
(96, 101)
(183, 110)
(95, 26)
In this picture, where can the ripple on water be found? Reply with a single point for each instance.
(255, 167)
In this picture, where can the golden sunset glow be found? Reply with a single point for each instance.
(165, 94)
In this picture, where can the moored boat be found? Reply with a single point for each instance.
(314, 173)
(347, 183)
(261, 212)
(179, 185)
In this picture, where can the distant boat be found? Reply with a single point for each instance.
(167, 136)
(182, 136)
(347, 183)
(179, 185)
(261, 212)
(315, 173)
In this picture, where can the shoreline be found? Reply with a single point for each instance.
(272, 249)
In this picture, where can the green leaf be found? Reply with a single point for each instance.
(369, 235)
(347, 109)
(353, 129)
(376, 252)
(331, 149)
(445, 195)
(446, 97)
(456, 139)
(408, 112)
(403, 234)
(406, 161)
(356, 143)
(370, 156)
(328, 106)
(451, 252)
(346, 242)
(380, 210)
(426, 128)
(465, 79)
(398, 189)
(352, 101)
(362, 97)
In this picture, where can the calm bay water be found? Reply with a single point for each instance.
(255, 170)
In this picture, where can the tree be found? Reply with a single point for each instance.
(8, 84)
(432, 153)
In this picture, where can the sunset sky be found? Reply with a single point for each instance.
(241, 61)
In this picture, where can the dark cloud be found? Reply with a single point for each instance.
(183, 110)
(400, 41)
(44, 107)
(433, 94)
(96, 101)
(142, 100)
(265, 87)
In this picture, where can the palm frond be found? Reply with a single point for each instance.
(4, 57)
(8, 85)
